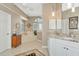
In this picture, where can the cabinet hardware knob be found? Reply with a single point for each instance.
(67, 48)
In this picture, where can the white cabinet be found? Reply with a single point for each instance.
(60, 50)
(59, 47)
(51, 46)
(73, 51)
(66, 49)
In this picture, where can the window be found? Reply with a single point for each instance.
(40, 26)
(52, 24)
(55, 24)
(37, 25)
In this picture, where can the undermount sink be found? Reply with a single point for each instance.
(71, 39)
(68, 38)
(74, 41)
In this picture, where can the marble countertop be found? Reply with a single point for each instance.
(71, 39)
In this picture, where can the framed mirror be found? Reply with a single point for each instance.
(73, 22)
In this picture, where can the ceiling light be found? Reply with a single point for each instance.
(23, 18)
(53, 13)
(73, 9)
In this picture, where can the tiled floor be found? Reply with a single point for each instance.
(24, 48)
(34, 52)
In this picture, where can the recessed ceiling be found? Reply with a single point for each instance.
(31, 9)
(35, 9)
(66, 7)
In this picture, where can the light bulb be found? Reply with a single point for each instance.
(53, 13)
(73, 9)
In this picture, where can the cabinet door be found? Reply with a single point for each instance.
(51, 46)
(60, 50)
(18, 40)
(14, 41)
(73, 51)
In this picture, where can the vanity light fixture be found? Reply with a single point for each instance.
(73, 9)
(53, 9)
(53, 13)
(71, 6)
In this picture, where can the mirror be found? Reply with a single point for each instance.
(73, 22)
(70, 22)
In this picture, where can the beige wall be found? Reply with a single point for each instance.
(66, 15)
(14, 20)
(69, 13)
(15, 13)
(47, 15)
(14, 9)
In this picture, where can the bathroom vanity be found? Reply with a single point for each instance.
(16, 40)
(63, 47)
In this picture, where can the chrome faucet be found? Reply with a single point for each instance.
(71, 34)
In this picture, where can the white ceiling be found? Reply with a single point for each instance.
(35, 9)
(65, 6)
(31, 9)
